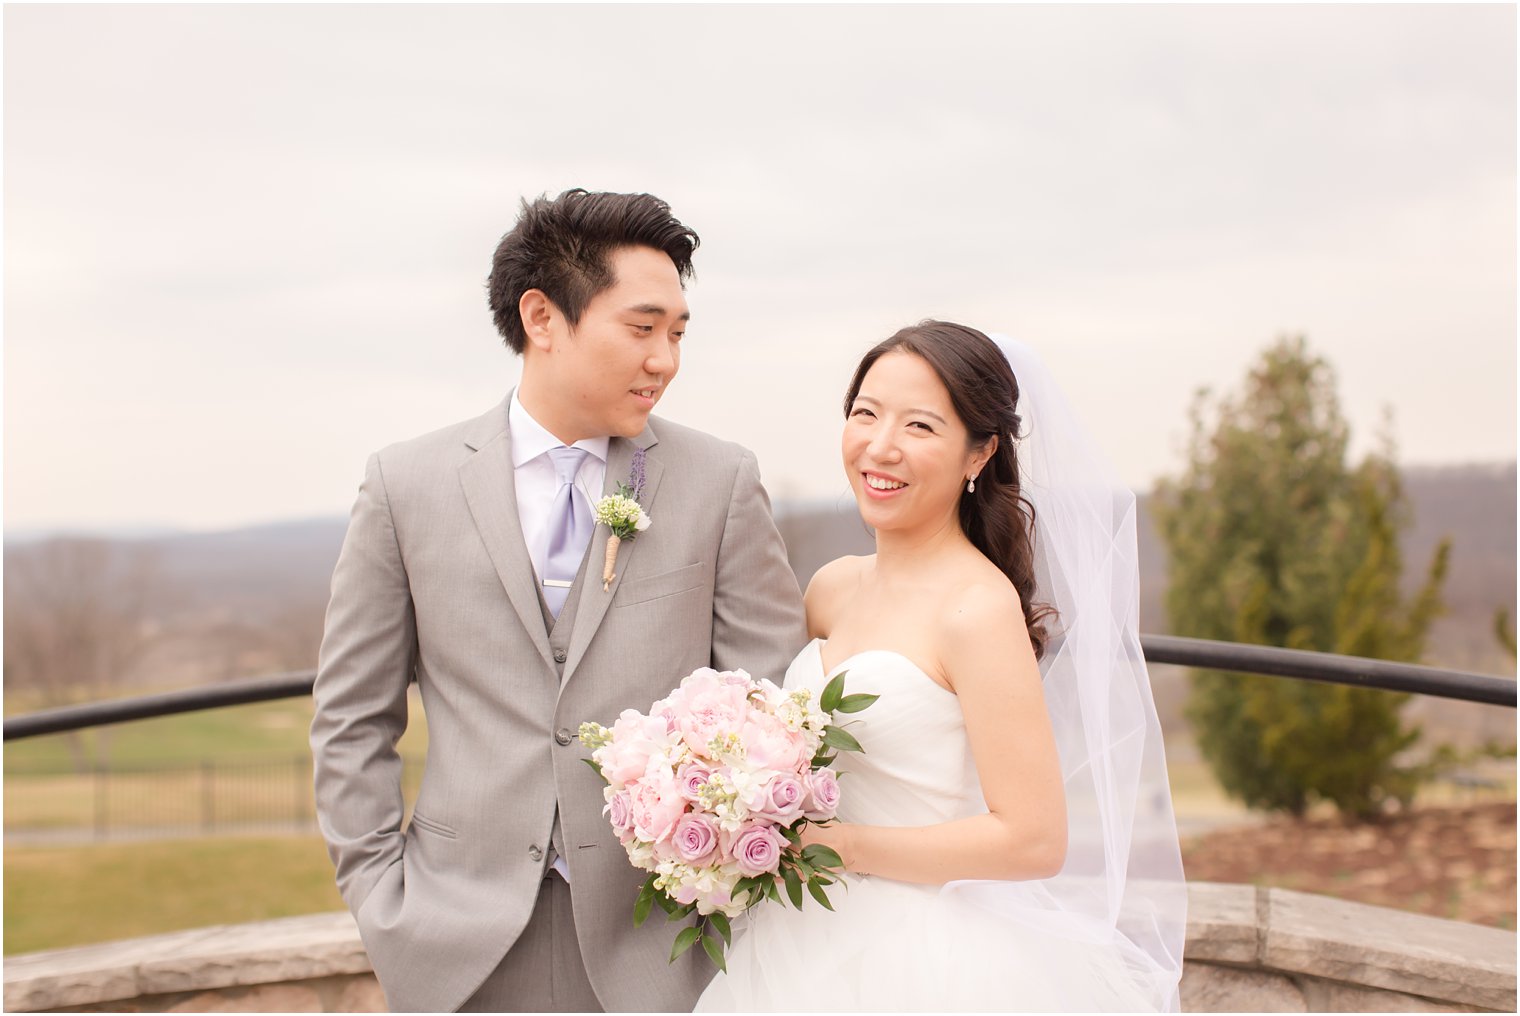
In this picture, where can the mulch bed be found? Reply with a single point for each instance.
(1455, 862)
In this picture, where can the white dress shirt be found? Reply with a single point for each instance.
(537, 482)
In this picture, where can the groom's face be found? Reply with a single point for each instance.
(607, 372)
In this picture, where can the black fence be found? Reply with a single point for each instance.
(226, 795)
(1201, 653)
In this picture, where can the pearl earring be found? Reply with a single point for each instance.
(971, 484)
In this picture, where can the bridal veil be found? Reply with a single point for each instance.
(1122, 886)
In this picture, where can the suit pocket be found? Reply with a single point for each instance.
(426, 824)
(658, 586)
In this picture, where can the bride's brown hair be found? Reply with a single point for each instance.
(996, 517)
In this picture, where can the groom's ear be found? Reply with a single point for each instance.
(537, 312)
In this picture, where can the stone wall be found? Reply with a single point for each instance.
(1248, 949)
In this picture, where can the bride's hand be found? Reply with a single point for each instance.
(835, 836)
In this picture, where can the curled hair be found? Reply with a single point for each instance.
(563, 246)
(996, 517)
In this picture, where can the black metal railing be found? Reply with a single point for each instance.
(1202, 653)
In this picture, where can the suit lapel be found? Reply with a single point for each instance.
(592, 602)
(490, 490)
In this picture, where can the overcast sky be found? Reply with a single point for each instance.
(246, 246)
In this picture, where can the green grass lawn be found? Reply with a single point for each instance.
(263, 730)
(64, 896)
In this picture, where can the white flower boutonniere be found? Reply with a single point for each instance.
(622, 513)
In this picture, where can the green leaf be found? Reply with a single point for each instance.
(643, 904)
(792, 835)
(684, 941)
(821, 759)
(594, 765)
(666, 903)
(793, 886)
(719, 920)
(680, 913)
(855, 703)
(832, 693)
(715, 952)
(773, 892)
(836, 737)
(818, 894)
(822, 856)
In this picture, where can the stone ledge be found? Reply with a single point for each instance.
(1247, 948)
(264, 952)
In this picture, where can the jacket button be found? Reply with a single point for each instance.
(559, 656)
(535, 853)
(562, 736)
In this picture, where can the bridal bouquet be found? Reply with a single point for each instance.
(710, 790)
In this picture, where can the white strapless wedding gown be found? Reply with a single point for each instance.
(899, 946)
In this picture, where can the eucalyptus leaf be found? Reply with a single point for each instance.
(822, 856)
(719, 920)
(818, 894)
(684, 941)
(855, 703)
(832, 693)
(793, 886)
(836, 737)
(715, 952)
(642, 906)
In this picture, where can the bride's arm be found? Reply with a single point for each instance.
(986, 653)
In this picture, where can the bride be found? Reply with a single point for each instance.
(1007, 832)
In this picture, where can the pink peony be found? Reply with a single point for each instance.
(757, 849)
(769, 745)
(696, 837)
(655, 806)
(823, 795)
(712, 707)
(635, 737)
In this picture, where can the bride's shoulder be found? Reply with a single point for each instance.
(984, 601)
(829, 587)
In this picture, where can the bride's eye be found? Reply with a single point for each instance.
(860, 412)
(920, 423)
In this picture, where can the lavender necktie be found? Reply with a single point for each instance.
(569, 528)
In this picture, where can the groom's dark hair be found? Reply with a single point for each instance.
(562, 247)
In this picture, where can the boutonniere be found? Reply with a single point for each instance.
(622, 513)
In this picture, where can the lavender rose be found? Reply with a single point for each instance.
(757, 850)
(691, 777)
(780, 800)
(696, 837)
(619, 812)
(823, 796)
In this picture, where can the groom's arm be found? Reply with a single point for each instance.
(758, 623)
(369, 650)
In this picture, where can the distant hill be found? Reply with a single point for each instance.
(251, 600)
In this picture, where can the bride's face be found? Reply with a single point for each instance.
(905, 451)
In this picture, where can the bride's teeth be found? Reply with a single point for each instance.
(879, 484)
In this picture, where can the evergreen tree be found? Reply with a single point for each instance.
(1275, 539)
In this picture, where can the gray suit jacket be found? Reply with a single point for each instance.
(434, 581)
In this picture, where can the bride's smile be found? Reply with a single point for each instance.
(907, 453)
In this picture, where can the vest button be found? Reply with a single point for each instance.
(559, 656)
(562, 735)
(535, 853)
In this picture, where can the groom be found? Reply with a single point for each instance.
(472, 565)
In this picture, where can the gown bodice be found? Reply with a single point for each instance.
(916, 767)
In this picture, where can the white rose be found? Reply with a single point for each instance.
(641, 523)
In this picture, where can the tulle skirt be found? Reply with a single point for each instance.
(895, 946)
